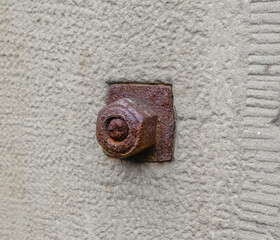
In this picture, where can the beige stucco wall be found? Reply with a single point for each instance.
(57, 60)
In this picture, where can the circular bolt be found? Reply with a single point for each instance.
(118, 129)
(126, 127)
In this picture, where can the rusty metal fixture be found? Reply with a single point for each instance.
(139, 121)
(118, 129)
(126, 127)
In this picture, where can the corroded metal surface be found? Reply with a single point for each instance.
(126, 126)
(157, 142)
(118, 129)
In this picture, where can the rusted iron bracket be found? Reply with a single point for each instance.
(138, 123)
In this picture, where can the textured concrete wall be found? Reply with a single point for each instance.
(57, 59)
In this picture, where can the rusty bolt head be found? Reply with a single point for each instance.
(118, 129)
(126, 127)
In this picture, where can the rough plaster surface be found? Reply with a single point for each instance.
(57, 59)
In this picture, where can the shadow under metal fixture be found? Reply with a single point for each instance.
(138, 123)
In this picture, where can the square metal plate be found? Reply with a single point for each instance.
(160, 98)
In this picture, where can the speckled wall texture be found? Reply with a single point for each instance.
(57, 60)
